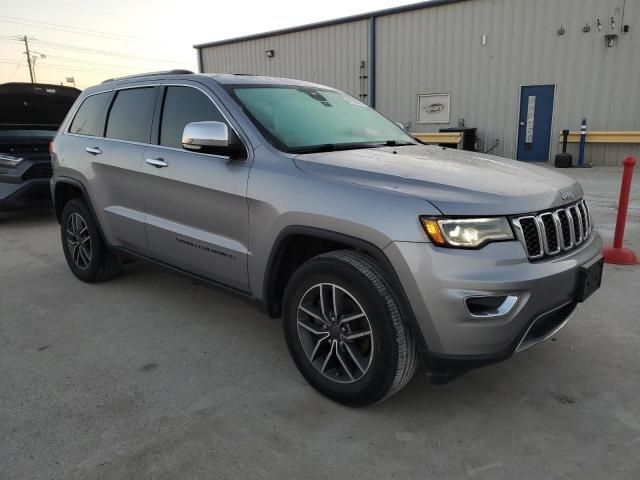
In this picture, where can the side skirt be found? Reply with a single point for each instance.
(197, 279)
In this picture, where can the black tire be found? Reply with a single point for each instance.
(393, 353)
(99, 264)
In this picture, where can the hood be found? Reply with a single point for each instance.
(35, 105)
(456, 182)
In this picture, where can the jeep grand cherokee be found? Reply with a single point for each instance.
(378, 252)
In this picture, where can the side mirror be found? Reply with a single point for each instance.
(211, 137)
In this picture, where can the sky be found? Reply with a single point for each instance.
(95, 40)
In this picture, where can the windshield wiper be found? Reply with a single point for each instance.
(395, 143)
(331, 147)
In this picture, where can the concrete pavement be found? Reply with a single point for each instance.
(149, 376)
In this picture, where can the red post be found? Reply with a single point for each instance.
(619, 254)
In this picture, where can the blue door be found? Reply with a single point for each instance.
(534, 130)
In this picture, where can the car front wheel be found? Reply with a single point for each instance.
(345, 331)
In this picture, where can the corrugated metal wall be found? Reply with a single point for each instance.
(439, 49)
(328, 55)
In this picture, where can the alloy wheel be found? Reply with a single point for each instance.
(78, 241)
(335, 333)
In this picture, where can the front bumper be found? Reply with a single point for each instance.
(437, 281)
(26, 185)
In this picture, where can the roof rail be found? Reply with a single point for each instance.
(151, 74)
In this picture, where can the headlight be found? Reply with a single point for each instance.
(466, 232)
(9, 161)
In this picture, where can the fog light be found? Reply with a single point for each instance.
(490, 305)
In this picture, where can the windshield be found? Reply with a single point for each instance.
(303, 119)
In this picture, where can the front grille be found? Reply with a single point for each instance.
(38, 170)
(531, 237)
(565, 227)
(551, 232)
(583, 215)
(546, 326)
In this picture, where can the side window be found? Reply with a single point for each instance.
(131, 114)
(184, 105)
(89, 116)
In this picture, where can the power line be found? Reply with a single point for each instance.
(95, 69)
(16, 69)
(66, 46)
(66, 68)
(83, 61)
(110, 53)
(71, 29)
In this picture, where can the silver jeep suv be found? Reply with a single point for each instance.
(378, 252)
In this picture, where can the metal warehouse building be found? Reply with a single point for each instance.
(519, 71)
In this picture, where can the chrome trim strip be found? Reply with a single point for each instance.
(583, 214)
(159, 83)
(558, 222)
(589, 218)
(545, 236)
(542, 234)
(576, 213)
(520, 235)
(572, 230)
(523, 345)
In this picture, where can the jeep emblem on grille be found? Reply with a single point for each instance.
(566, 195)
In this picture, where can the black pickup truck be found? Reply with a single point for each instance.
(30, 114)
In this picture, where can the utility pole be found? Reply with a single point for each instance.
(26, 45)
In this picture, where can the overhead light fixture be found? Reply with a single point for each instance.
(270, 53)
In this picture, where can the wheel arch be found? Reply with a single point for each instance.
(281, 265)
(66, 188)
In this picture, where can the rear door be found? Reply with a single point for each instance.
(196, 206)
(111, 167)
(118, 166)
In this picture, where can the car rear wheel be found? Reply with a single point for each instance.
(345, 331)
(85, 252)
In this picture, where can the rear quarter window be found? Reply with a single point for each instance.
(131, 115)
(88, 118)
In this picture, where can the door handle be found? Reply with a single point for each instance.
(93, 150)
(157, 162)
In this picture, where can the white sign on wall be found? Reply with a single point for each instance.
(531, 115)
(434, 108)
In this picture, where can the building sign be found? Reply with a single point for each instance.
(531, 114)
(434, 108)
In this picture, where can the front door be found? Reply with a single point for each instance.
(196, 205)
(534, 130)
